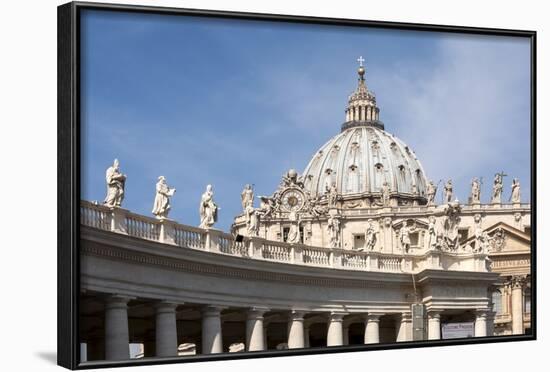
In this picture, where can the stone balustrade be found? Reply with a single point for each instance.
(170, 232)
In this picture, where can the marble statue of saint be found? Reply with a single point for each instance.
(475, 193)
(405, 236)
(431, 190)
(448, 190)
(431, 237)
(385, 194)
(208, 210)
(115, 185)
(294, 230)
(497, 189)
(370, 235)
(516, 195)
(161, 206)
(252, 219)
(332, 196)
(247, 197)
(333, 225)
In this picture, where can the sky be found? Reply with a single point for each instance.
(231, 102)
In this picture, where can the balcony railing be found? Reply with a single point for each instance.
(169, 232)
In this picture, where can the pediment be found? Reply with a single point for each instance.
(506, 239)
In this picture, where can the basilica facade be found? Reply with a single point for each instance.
(365, 190)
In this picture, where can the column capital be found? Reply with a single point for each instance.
(373, 316)
(337, 316)
(165, 306)
(256, 312)
(406, 316)
(434, 314)
(296, 315)
(482, 313)
(517, 281)
(117, 300)
(212, 310)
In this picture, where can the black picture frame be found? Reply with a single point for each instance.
(69, 176)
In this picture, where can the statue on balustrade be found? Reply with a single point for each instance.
(115, 185)
(247, 197)
(516, 195)
(333, 226)
(475, 193)
(448, 191)
(208, 210)
(371, 235)
(496, 198)
(252, 218)
(161, 206)
(431, 191)
(294, 230)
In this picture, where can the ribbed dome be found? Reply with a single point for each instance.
(360, 159)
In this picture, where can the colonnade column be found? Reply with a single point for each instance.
(480, 325)
(335, 333)
(372, 328)
(211, 330)
(296, 334)
(434, 325)
(117, 341)
(166, 339)
(404, 327)
(255, 339)
(517, 282)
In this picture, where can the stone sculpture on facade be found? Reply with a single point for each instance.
(247, 197)
(475, 193)
(315, 208)
(405, 236)
(266, 206)
(161, 206)
(371, 235)
(115, 185)
(385, 193)
(333, 226)
(496, 197)
(332, 196)
(252, 218)
(208, 210)
(448, 190)
(451, 220)
(498, 240)
(294, 230)
(431, 236)
(431, 191)
(291, 178)
(515, 197)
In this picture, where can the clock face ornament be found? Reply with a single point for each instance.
(293, 200)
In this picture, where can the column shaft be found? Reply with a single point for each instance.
(117, 344)
(404, 328)
(372, 329)
(211, 330)
(166, 340)
(480, 326)
(434, 325)
(517, 308)
(255, 339)
(296, 336)
(335, 333)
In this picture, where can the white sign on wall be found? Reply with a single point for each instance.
(457, 330)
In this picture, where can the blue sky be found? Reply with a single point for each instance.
(230, 102)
